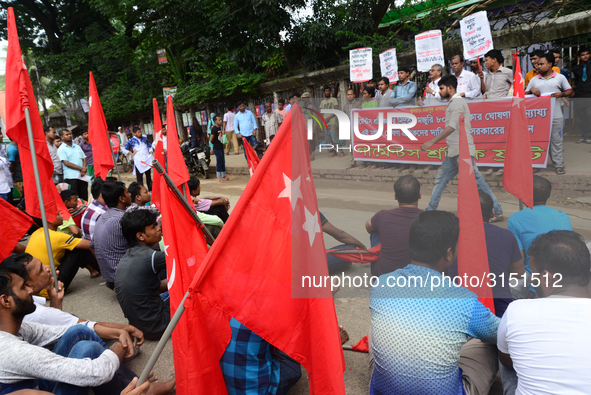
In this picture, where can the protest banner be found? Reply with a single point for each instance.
(389, 65)
(162, 57)
(429, 49)
(476, 35)
(361, 65)
(489, 122)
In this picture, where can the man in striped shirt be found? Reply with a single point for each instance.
(95, 209)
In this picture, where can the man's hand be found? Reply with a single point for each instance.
(462, 94)
(429, 90)
(141, 390)
(426, 145)
(556, 94)
(127, 343)
(83, 172)
(136, 334)
(484, 96)
(535, 92)
(56, 296)
(420, 102)
(480, 74)
(239, 135)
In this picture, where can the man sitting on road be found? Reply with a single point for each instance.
(95, 209)
(424, 337)
(334, 263)
(212, 205)
(391, 227)
(139, 194)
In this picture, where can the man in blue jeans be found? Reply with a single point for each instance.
(245, 125)
(80, 360)
(449, 168)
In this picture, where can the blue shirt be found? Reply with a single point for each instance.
(403, 93)
(528, 224)
(13, 156)
(417, 333)
(74, 155)
(247, 364)
(244, 123)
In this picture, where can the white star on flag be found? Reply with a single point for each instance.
(172, 274)
(289, 187)
(517, 101)
(312, 226)
(469, 161)
(166, 248)
(90, 101)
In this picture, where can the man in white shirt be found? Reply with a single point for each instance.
(432, 90)
(228, 129)
(142, 150)
(546, 340)
(468, 82)
(58, 172)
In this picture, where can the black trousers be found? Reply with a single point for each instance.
(81, 187)
(72, 261)
(220, 211)
(140, 178)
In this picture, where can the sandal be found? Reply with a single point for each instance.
(427, 169)
(560, 170)
(489, 171)
(352, 166)
(500, 172)
(341, 154)
(226, 178)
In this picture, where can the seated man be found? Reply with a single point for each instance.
(217, 205)
(424, 333)
(75, 206)
(348, 241)
(69, 253)
(139, 194)
(546, 340)
(80, 359)
(392, 227)
(526, 225)
(137, 282)
(95, 209)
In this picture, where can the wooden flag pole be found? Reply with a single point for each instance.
(40, 196)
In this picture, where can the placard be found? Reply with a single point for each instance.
(389, 65)
(476, 35)
(361, 65)
(429, 49)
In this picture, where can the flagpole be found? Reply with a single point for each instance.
(40, 196)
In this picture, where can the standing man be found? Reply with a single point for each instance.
(281, 109)
(477, 70)
(87, 148)
(122, 136)
(468, 82)
(557, 56)
(582, 73)
(271, 121)
(330, 103)
(58, 172)
(384, 92)
(5, 169)
(15, 167)
(432, 90)
(534, 58)
(549, 81)
(449, 168)
(292, 99)
(499, 79)
(405, 89)
(141, 149)
(228, 129)
(245, 125)
(74, 162)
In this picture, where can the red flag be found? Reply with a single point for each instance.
(98, 133)
(356, 254)
(15, 225)
(176, 167)
(518, 178)
(158, 154)
(472, 255)
(247, 272)
(19, 95)
(196, 358)
(362, 345)
(251, 156)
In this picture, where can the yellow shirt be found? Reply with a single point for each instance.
(532, 73)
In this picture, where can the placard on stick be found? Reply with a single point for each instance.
(389, 65)
(429, 49)
(361, 65)
(476, 35)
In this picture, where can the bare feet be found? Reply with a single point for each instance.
(427, 169)
(93, 273)
(157, 388)
(489, 171)
(344, 335)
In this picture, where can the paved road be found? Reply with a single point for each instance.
(347, 204)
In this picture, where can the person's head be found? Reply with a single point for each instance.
(229, 108)
(486, 206)
(280, 104)
(65, 136)
(50, 134)
(435, 72)
(111, 179)
(448, 85)
(584, 54)
(407, 190)
(534, 56)
(85, 135)
(70, 198)
(295, 98)
(457, 64)
(545, 63)
(58, 221)
(116, 195)
(164, 128)
(403, 74)
(120, 130)
(433, 239)
(57, 141)
(96, 188)
(15, 291)
(137, 132)
(474, 65)
(327, 91)
(217, 121)
(241, 106)
(373, 83)
(350, 94)
(369, 92)
(36, 274)
(493, 59)
(268, 107)
(542, 190)
(557, 56)
(139, 194)
(194, 186)
(140, 227)
(383, 84)
(561, 257)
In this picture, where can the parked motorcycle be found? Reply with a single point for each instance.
(196, 159)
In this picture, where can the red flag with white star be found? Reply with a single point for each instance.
(472, 254)
(98, 133)
(251, 156)
(176, 167)
(255, 270)
(158, 154)
(518, 178)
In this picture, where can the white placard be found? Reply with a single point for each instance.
(389, 65)
(429, 48)
(476, 35)
(361, 65)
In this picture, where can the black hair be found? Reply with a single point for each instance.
(432, 233)
(370, 90)
(282, 101)
(46, 129)
(495, 54)
(564, 252)
(230, 107)
(542, 189)
(549, 56)
(67, 194)
(112, 191)
(135, 129)
(240, 102)
(134, 189)
(449, 80)
(405, 69)
(407, 189)
(193, 183)
(553, 51)
(136, 221)
(62, 131)
(385, 79)
(296, 94)
(17, 264)
(216, 117)
(486, 205)
(583, 49)
(96, 187)
(326, 87)
(111, 179)
(458, 56)
(536, 52)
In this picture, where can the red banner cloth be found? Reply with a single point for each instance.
(15, 225)
(98, 133)
(357, 255)
(362, 346)
(158, 154)
(472, 254)
(251, 156)
(19, 95)
(247, 272)
(176, 167)
(518, 178)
